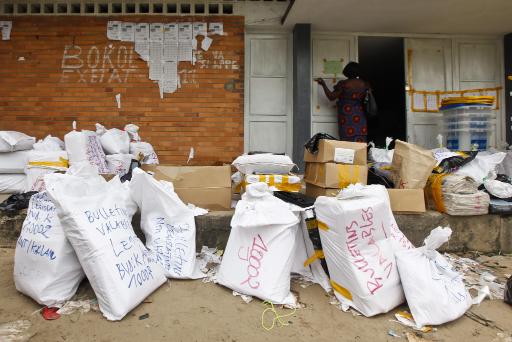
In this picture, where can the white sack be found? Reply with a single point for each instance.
(133, 131)
(480, 167)
(11, 141)
(259, 254)
(45, 265)
(147, 151)
(12, 183)
(35, 178)
(498, 189)
(49, 144)
(359, 238)
(119, 164)
(96, 218)
(41, 163)
(85, 146)
(168, 225)
(265, 163)
(381, 155)
(113, 141)
(13, 162)
(435, 292)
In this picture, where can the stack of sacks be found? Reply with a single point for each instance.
(360, 238)
(47, 156)
(456, 195)
(335, 165)
(13, 159)
(272, 169)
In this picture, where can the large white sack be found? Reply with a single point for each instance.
(435, 292)
(114, 140)
(480, 167)
(49, 144)
(85, 146)
(96, 218)
(12, 183)
(119, 164)
(168, 225)
(149, 154)
(265, 163)
(13, 162)
(359, 238)
(11, 141)
(45, 265)
(259, 254)
(43, 162)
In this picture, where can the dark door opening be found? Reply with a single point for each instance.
(383, 66)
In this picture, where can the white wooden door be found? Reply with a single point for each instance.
(478, 65)
(328, 48)
(268, 89)
(428, 67)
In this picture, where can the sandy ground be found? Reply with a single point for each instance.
(195, 311)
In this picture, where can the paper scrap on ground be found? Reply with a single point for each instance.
(16, 330)
(216, 28)
(82, 306)
(118, 100)
(128, 32)
(6, 27)
(405, 318)
(209, 261)
(245, 298)
(206, 43)
(114, 30)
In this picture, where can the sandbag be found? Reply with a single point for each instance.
(85, 146)
(149, 154)
(412, 165)
(435, 292)
(13, 162)
(49, 144)
(119, 164)
(259, 254)
(264, 163)
(11, 141)
(359, 239)
(12, 183)
(168, 225)
(113, 141)
(45, 265)
(96, 218)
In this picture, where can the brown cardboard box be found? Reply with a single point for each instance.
(407, 200)
(207, 187)
(335, 176)
(315, 191)
(336, 151)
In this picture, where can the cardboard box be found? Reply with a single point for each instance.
(315, 191)
(335, 151)
(207, 187)
(410, 201)
(335, 176)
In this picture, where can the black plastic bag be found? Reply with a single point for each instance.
(16, 202)
(312, 144)
(508, 291)
(452, 164)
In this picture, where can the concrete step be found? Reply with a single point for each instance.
(486, 234)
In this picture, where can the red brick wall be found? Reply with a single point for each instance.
(45, 93)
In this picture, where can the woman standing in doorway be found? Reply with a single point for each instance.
(350, 93)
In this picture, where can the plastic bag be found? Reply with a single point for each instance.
(381, 155)
(133, 131)
(449, 162)
(16, 202)
(11, 141)
(435, 292)
(45, 265)
(49, 144)
(149, 155)
(113, 141)
(498, 189)
(85, 146)
(259, 254)
(312, 144)
(480, 167)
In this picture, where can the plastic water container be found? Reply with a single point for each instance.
(467, 139)
(468, 127)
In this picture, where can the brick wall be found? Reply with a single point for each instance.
(44, 93)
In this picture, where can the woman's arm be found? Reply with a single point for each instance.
(331, 95)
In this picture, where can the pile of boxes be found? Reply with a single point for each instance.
(336, 165)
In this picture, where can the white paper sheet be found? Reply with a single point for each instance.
(142, 32)
(6, 27)
(156, 32)
(206, 43)
(185, 31)
(216, 28)
(114, 30)
(419, 101)
(142, 48)
(170, 50)
(118, 100)
(155, 51)
(169, 81)
(170, 32)
(127, 32)
(199, 29)
(156, 70)
(185, 50)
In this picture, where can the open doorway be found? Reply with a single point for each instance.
(383, 66)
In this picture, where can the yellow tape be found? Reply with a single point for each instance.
(284, 185)
(322, 225)
(319, 254)
(347, 174)
(341, 290)
(435, 188)
(61, 163)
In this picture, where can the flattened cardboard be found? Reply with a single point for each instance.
(327, 151)
(315, 191)
(208, 198)
(410, 201)
(335, 176)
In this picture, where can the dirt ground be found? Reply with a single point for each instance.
(195, 311)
